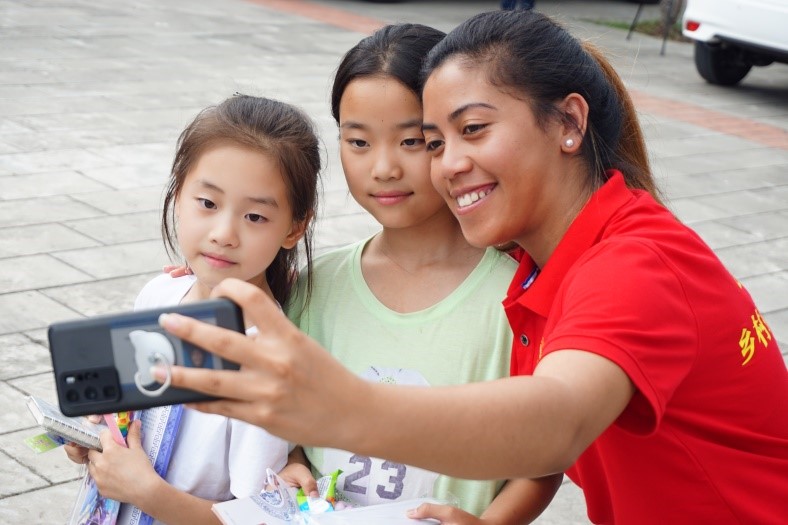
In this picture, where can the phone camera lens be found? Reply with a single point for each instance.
(91, 393)
(72, 396)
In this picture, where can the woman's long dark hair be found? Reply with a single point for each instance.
(530, 53)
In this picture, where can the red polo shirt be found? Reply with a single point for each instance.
(705, 438)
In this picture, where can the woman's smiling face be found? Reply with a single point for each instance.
(491, 161)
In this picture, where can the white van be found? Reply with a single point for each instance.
(731, 36)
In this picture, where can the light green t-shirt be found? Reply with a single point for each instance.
(463, 338)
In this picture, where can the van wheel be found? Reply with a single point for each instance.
(718, 65)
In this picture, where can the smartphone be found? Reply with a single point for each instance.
(102, 363)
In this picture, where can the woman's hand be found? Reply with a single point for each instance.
(123, 474)
(445, 514)
(285, 380)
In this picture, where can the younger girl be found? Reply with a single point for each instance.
(415, 304)
(242, 194)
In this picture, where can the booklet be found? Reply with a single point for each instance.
(90, 507)
(382, 514)
(160, 426)
(80, 431)
(277, 506)
(250, 511)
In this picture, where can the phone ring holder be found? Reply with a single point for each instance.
(151, 348)
(157, 358)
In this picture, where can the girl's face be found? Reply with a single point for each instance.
(494, 166)
(233, 215)
(382, 151)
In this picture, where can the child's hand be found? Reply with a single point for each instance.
(121, 473)
(299, 475)
(177, 270)
(78, 453)
(445, 514)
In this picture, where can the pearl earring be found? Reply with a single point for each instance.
(569, 143)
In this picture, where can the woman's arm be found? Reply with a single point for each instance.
(126, 475)
(520, 427)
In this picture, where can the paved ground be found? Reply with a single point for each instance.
(94, 94)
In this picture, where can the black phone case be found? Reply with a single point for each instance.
(94, 359)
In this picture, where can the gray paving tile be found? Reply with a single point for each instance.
(680, 147)
(59, 122)
(138, 175)
(701, 184)
(6, 147)
(16, 478)
(46, 184)
(100, 297)
(764, 225)
(725, 160)
(115, 229)
(117, 260)
(38, 336)
(691, 211)
(770, 293)
(170, 121)
(340, 202)
(20, 356)
(28, 508)
(37, 104)
(567, 508)
(8, 127)
(759, 258)
(53, 465)
(43, 210)
(36, 271)
(28, 310)
(44, 161)
(40, 238)
(30, 141)
(13, 416)
(123, 201)
(778, 323)
(138, 154)
(749, 201)
(719, 235)
(338, 231)
(40, 385)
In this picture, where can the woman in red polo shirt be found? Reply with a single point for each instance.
(643, 368)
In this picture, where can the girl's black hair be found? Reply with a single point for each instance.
(273, 128)
(531, 54)
(395, 51)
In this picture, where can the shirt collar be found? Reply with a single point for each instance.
(584, 232)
